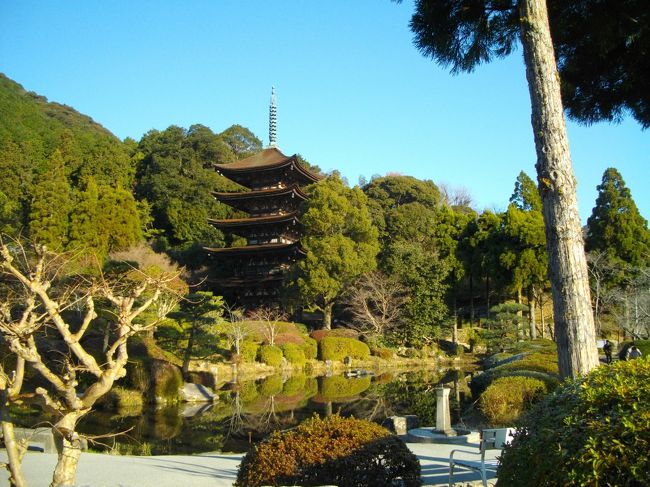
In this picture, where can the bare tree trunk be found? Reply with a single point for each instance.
(327, 316)
(14, 454)
(574, 322)
(68, 445)
(531, 307)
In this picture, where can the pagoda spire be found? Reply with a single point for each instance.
(272, 120)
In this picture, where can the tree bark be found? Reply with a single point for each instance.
(327, 316)
(14, 457)
(531, 306)
(574, 323)
(68, 445)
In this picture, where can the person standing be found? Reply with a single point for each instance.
(607, 348)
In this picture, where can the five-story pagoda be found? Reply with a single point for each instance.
(271, 228)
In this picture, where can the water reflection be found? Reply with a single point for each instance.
(246, 412)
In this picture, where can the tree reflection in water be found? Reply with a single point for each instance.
(247, 412)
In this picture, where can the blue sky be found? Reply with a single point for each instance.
(353, 93)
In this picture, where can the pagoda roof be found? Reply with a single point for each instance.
(254, 221)
(261, 193)
(258, 249)
(268, 159)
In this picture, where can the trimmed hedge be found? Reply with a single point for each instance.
(346, 452)
(310, 348)
(248, 351)
(592, 431)
(294, 354)
(337, 348)
(270, 355)
(508, 397)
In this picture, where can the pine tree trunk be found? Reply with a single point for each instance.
(574, 322)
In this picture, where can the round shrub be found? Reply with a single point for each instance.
(383, 353)
(310, 348)
(270, 355)
(508, 397)
(346, 452)
(248, 351)
(294, 354)
(337, 348)
(121, 398)
(592, 431)
(294, 384)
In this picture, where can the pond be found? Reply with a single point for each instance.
(247, 412)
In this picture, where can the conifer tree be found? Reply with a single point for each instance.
(118, 219)
(85, 230)
(615, 226)
(51, 205)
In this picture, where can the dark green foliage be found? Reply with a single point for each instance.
(346, 452)
(176, 178)
(270, 355)
(599, 47)
(241, 141)
(508, 397)
(526, 195)
(337, 348)
(340, 240)
(615, 226)
(593, 431)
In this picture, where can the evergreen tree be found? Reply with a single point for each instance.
(340, 240)
(85, 231)
(51, 205)
(615, 226)
(526, 195)
(118, 219)
(15, 186)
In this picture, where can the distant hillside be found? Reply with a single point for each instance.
(38, 127)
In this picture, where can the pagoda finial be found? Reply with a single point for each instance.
(272, 120)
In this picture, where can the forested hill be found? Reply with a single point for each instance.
(37, 127)
(70, 184)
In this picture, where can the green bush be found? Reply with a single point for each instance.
(508, 397)
(248, 351)
(270, 355)
(310, 348)
(541, 362)
(592, 431)
(346, 452)
(337, 348)
(294, 354)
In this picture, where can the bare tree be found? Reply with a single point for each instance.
(236, 328)
(39, 291)
(10, 386)
(376, 303)
(269, 319)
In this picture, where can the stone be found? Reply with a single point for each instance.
(401, 424)
(196, 393)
